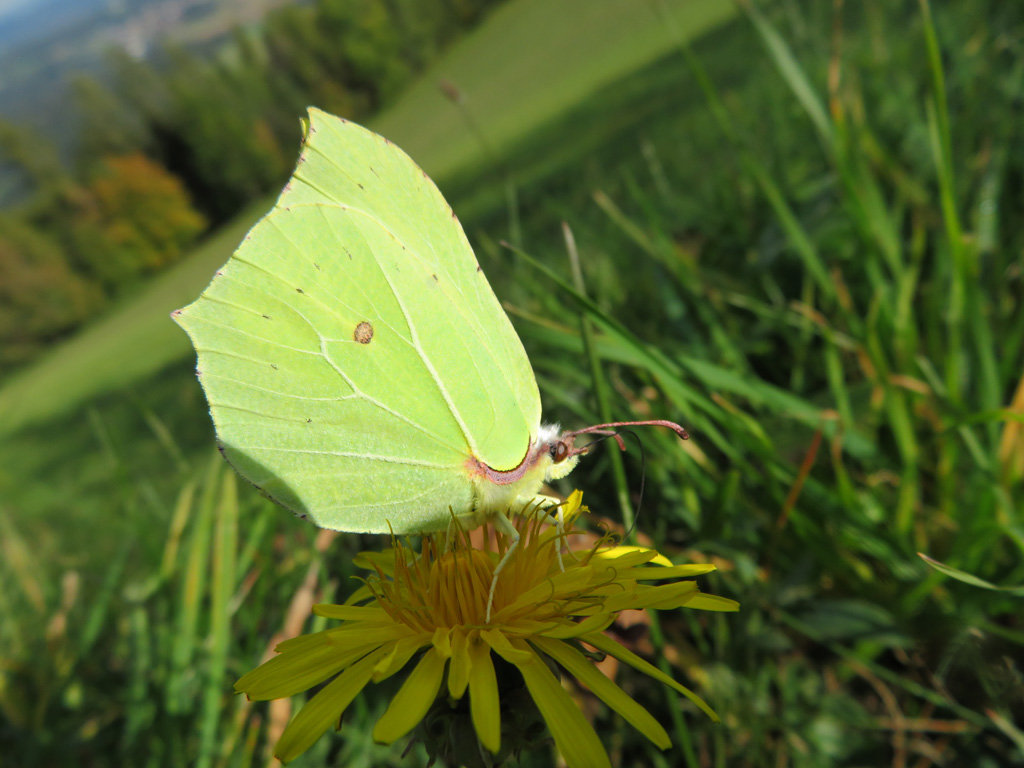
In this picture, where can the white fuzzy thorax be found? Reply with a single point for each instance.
(548, 433)
(492, 498)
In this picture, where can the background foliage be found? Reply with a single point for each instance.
(194, 137)
(797, 237)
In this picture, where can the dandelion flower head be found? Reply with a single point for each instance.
(550, 603)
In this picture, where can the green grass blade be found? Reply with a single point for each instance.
(798, 237)
(967, 578)
(179, 519)
(141, 708)
(225, 547)
(182, 678)
(98, 612)
(600, 386)
(791, 71)
(888, 675)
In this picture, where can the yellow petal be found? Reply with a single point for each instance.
(313, 640)
(596, 623)
(325, 709)
(574, 580)
(571, 507)
(350, 612)
(712, 603)
(500, 643)
(574, 737)
(667, 572)
(458, 668)
(399, 656)
(371, 561)
(341, 637)
(484, 706)
(663, 596)
(612, 648)
(627, 556)
(360, 595)
(290, 673)
(442, 641)
(413, 699)
(576, 664)
(521, 627)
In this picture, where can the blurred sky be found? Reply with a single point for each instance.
(8, 7)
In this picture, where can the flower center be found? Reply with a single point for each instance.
(460, 582)
(433, 590)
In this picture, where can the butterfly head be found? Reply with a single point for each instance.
(556, 451)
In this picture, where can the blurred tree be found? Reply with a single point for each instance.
(110, 125)
(30, 162)
(219, 122)
(315, 73)
(469, 12)
(41, 298)
(425, 26)
(133, 218)
(216, 138)
(139, 84)
(283, 99)
(370, 45)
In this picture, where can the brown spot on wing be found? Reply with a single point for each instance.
(363, 333)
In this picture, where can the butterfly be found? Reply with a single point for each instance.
(359, 368)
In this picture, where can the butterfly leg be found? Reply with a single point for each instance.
(502, 523)
(552, 509)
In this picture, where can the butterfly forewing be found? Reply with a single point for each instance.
(352, 351)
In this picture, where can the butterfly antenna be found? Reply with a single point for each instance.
(609, 428)
(605, 431)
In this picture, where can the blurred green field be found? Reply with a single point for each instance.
(798, 239)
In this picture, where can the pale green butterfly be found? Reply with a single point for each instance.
(359, 369)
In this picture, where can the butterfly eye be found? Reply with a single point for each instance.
(559, 452)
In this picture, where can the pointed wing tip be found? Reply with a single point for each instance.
(182, 316)
(316, 117)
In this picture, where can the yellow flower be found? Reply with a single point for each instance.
(434, 606)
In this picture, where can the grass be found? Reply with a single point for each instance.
(511, 95)
(807, 258)
(527, 65)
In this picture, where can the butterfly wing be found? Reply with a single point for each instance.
(353, 353)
